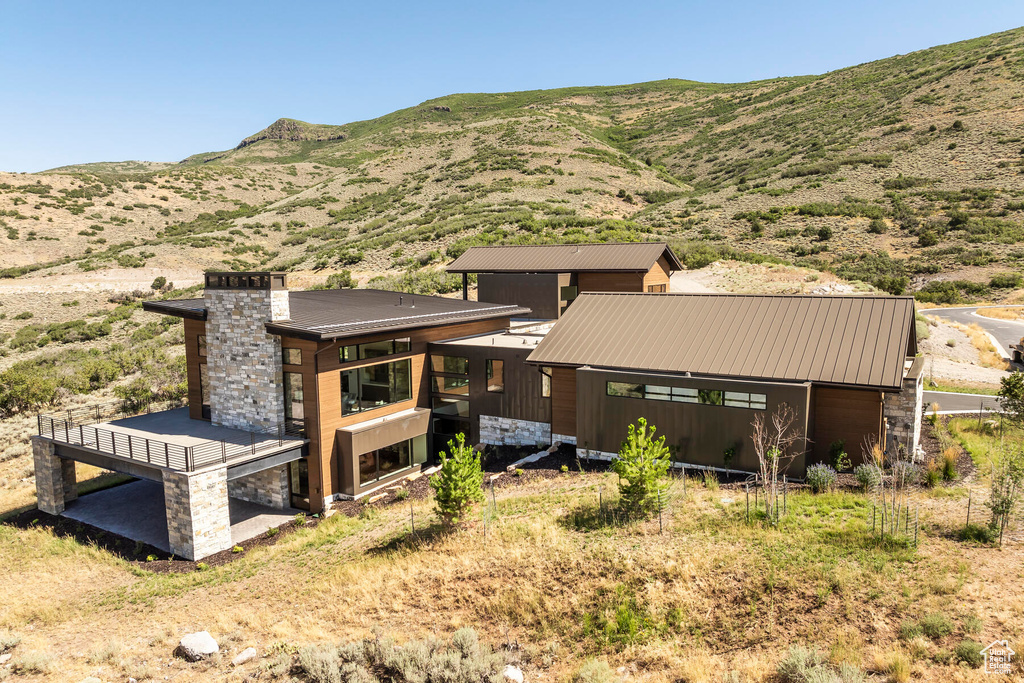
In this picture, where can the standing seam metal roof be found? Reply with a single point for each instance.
(565, 258)
(840, 340)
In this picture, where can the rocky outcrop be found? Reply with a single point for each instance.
(295, 131)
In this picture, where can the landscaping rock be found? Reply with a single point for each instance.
(512, 674)
(244, 656)
(196, 646)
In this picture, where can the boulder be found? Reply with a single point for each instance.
(196, 646)
(244, 656)
(512, 674)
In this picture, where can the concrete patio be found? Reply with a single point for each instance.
(136, 510)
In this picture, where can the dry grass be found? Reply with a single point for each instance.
(1016, 314)
(709, 597)
(989, 356)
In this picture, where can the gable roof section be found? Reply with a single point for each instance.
(837, 340)
(323, 315)
(565, 258)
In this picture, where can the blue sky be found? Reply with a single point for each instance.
(106, 81)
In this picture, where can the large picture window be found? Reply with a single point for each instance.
(452, 365)
(375, 386)
(384, 462)
(371, 350)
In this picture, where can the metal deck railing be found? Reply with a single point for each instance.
(78, 427)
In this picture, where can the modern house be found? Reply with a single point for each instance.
(547, 278)
(296, 399)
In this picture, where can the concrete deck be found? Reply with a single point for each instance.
(136, 510)
(170, 438)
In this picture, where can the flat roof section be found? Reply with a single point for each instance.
(838, 340)
(565, 258)
(324, 315)
(506, 340)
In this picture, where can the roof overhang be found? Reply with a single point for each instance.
(168, 308)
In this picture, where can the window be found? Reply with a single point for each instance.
(388, 460)
(714, 397)
(496, 376)
(371, 350)
(625, 389)
(545, 382)
(449, 385)
(293, 409)
(450, 417)
(710, 396)
(204, 391)
(374, 386)
(299, 482)
(201, 341)
(452, 365)
(292, 356)
(656, 288)
(568, 293)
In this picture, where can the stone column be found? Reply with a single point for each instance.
(904, 411)
(198, 523)
(55, 477)
(243, 361)
(268, 487)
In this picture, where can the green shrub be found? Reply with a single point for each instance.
(158, 284)
(458, 484)
(936, 625)
(969, 652)
(806, 665)
(978, 533)
(379, 660)
(909, 630)
(595, 671)
(972, 624)
(877, 226)
(869, 476)
(24, 315)
(1006, 281)
(8, 641)
(341, 280)
(642, 467)
(820, 477)
(838, 457)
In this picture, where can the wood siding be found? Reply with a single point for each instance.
(193, 330)
(658, 275)
(327, 395)
(611, 282)
(563, 401)
(847, 414)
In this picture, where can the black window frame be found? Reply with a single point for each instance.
(284, 355)
(497, 389)
(392, 387)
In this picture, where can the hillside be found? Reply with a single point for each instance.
(917, 155)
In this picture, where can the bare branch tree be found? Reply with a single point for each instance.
(773, 444)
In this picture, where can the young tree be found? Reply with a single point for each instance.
(773, 442)
(1011, 397)
(459, 482)
(1007, 482)
(642, 466)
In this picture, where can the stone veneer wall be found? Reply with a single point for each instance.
(268, 487)
(904, 411)
(198, 523)
(564, 438)
(56, 482)
(505, 431)
(243, 362)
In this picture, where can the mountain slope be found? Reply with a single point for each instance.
(917, 155)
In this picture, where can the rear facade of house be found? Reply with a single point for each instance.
(297, 399)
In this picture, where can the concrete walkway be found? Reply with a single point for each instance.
(136, 511)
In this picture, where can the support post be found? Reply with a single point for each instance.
(465, 286)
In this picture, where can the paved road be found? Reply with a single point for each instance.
(960, 403)
(1006, 332)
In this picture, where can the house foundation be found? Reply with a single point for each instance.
(506, 431)
(198, 521)
(268, 487)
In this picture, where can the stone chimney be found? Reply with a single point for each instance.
(243, 361)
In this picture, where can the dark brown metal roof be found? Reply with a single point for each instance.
(840, 340)
(339, 313)
(565, 258)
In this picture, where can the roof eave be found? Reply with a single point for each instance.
(300, 333)
(159, 307)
